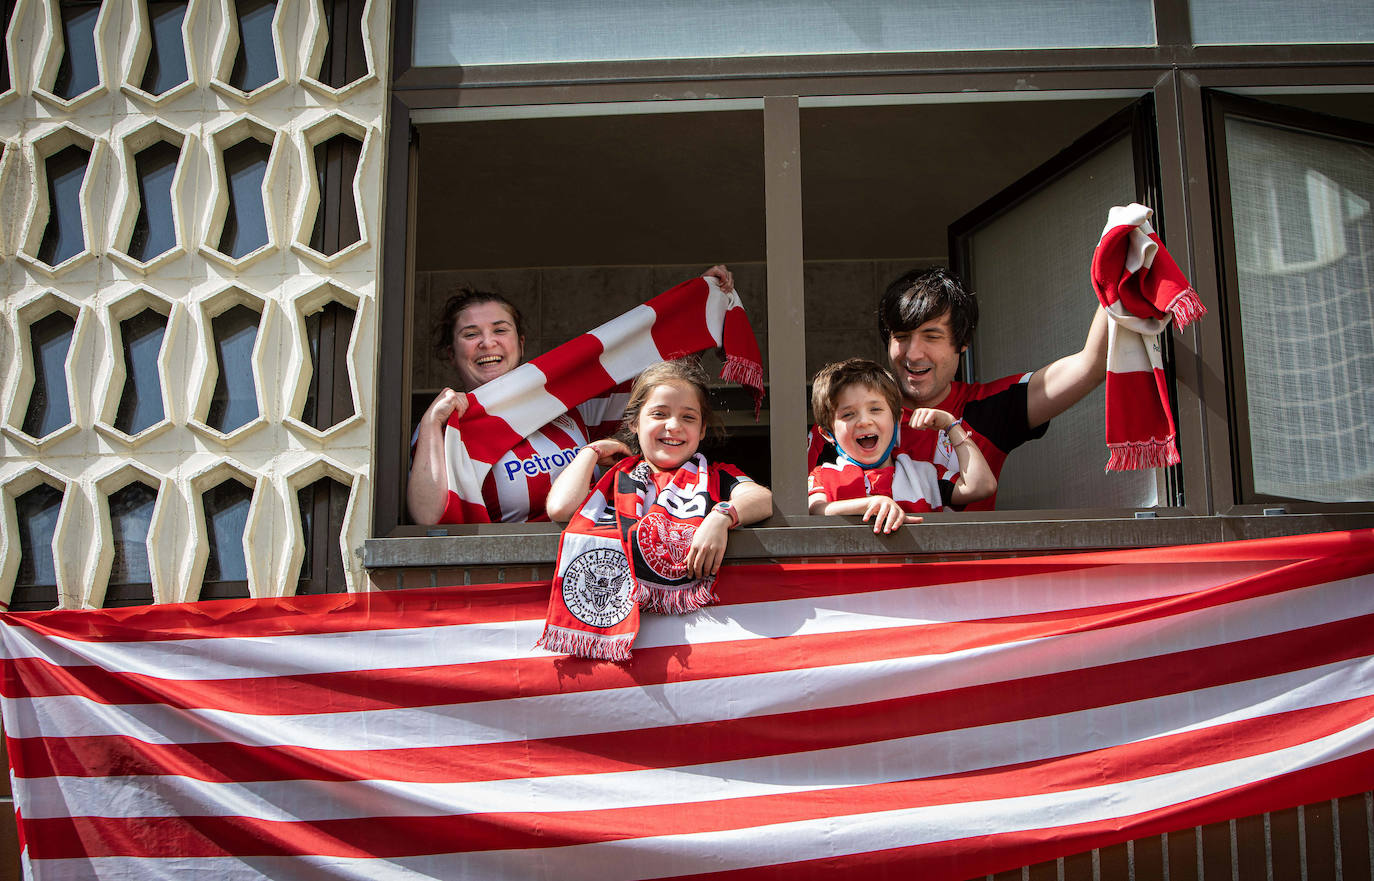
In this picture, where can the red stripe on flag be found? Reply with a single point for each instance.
(725, 740)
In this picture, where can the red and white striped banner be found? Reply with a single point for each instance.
(950, 718)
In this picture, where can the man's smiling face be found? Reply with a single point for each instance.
(924, 361)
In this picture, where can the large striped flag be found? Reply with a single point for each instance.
(952, 718)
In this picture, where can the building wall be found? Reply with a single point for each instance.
(286, 280)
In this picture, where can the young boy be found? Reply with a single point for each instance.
(856, 404)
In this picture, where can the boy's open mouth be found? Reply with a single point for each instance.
(867, 442)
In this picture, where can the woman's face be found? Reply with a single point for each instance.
(485, 344)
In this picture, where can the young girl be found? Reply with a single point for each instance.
(652, 531)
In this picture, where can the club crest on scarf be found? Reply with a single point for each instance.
(596, 587)
(663, 544)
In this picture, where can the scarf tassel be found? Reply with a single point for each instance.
(586, 645)
(680, 601)
(747, 373)
(1135, 455)
(1187, 308)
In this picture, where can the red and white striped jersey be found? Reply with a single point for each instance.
(517, 488)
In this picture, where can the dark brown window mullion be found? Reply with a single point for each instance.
(1185, 196)
(786, 308)
(395, 296)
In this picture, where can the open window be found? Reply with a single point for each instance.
(1027, 252)
(577, 219)
(1012, 195)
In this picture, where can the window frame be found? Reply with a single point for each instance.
(1220, 106)
(1174, 73)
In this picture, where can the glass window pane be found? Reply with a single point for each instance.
(512, 31)
(226, 515)
(1304, 235)
(49, 407)
(245, 224)
(63, 237)
(255, 63)
(37, 511)
(131, 513)
(154, 230)
(140, 405)
(235, 401)
(329, 400)
(166, 67)
(336, 218)
(1039, 252)
(77, 74)
(1244, 22)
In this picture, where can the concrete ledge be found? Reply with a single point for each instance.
(783, 538)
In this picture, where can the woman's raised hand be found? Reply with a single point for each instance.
(445, 405)
(722, 275)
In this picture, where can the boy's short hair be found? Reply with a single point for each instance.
(834, 378)
(925, 294)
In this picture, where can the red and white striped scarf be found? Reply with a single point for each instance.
(627, 548)
(1141, 288)
(692, 317)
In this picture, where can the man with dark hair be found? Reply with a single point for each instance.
(927, 319)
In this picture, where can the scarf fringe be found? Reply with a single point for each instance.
(747, 373)
(678, 601)
(1187, 308)
(1135, 455)
(563, 641)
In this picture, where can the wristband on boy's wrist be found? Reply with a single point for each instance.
(728, 510)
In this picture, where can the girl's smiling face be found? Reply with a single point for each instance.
(669, 425)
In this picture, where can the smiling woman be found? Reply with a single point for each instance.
(482, 335)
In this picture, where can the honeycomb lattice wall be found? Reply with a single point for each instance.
(286, 280)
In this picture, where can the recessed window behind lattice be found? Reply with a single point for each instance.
(235, 401)
(345, 60)
(255, 61)
(140, 404)
(322, 506)
(166, 65)
(62, 236)
(245, 223)
(336, 221)
(329, 400)
(49, 405)
(77, 73)
(226, 516)
(131, 515)
(35, 586)
(154, 230)
(7, 10)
